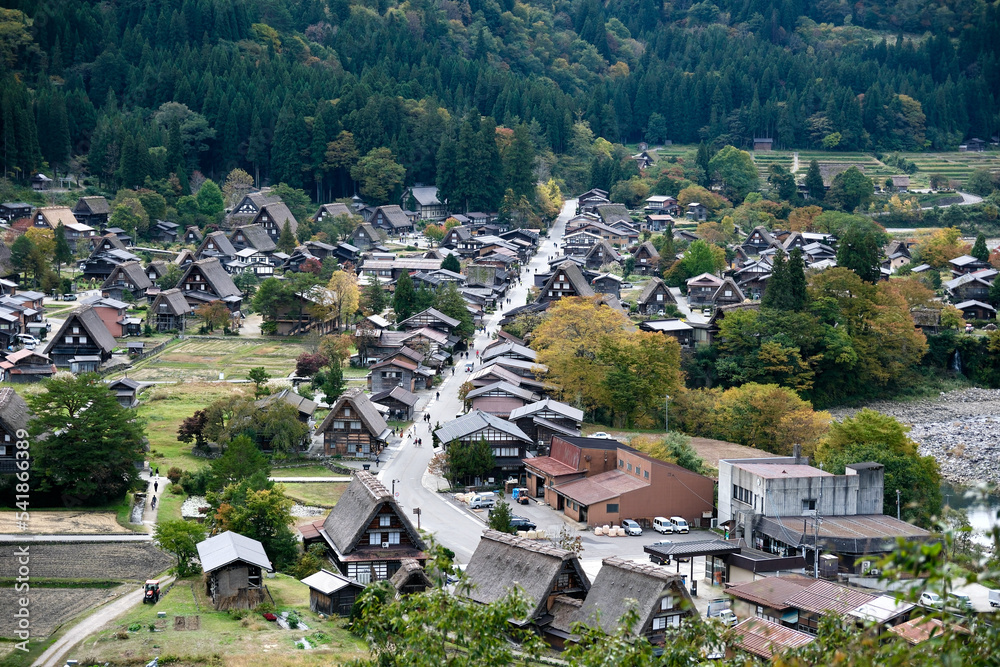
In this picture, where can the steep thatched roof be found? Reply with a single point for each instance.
(174, 300)
(256, 237)
(410, 573)
(364, 498)
(364, 408)
(88, 319)
(502, 562)
(650, 290)
(13, 411)
(619, 582)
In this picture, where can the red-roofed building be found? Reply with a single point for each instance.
(766, 639)
(601, 481)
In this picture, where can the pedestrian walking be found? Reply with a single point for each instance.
(438, 395)
(157, 471)
(156, 487)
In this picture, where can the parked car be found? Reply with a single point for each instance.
(483, 500)
(662, 543)
(602, 435)
(995, 598)
(661, 524)
(728, 617)
(932, 600)
(707, 312)
(679, 524)
(960, 601)
(521, 523)
(631, 527)
(27, 340)
(69, 297)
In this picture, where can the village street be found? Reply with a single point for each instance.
(451, 523)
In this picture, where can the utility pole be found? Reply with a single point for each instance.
(897, 504)
(666, 414)
(819, 503)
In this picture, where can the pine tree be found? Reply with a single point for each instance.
(796, 281)
(519, 162)
(257, 148)
(404, 301)
(451, 263)
(979, 250)
(317, 151)
(814, 182)
(702, 159)
(286, 241)
(63, 254)
(776, 292)
(175, 146)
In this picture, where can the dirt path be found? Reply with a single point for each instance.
(54, 654)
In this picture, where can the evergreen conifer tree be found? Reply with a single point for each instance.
(286, 241)
(776, 292)
(404, 301)
(795, 276)
(979, 250)
(814, 182)
(451, 263)
(62, 253)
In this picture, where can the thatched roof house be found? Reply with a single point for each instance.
(659, 597)
(542, 571)
(410, 578)
(368, 533)
(233, 567)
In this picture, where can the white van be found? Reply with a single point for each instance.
(662, 524)
(483, 500)
(679, 524)
(995, 598)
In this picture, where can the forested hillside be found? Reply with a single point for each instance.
(267, 85)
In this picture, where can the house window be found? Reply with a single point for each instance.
(674, 621)
(612, 508)
(629, 467)
(621, 463)
(3, 450)
(83, 340)
(355, 426)
(339, 424)
(76, 330)
(645, 473)
(666, 602)
(347, 412)
(808, 505)
(659, 622)
(375, 538)
(69, 340)
(384, 520)
(393, 537)
(659, 297)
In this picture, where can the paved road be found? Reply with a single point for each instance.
(52, 657)
(455, 527)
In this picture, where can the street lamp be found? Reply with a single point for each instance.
(394, 482)
(897, 504)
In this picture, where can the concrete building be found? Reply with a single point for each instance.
(785, 506)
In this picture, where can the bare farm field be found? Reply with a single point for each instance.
(104, 561)
(64, 523)
(203, 359)
(51, 607)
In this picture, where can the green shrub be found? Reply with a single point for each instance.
(174, 474)
(293, 619)
(238, 614)
(135, 627)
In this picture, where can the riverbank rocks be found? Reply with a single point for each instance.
(961, 429)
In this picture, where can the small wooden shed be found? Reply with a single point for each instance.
(234, 567)
(332, 593)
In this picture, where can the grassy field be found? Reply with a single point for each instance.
(221, 639)
(304, 471)
(317, 494)
(165, 407)
(200, 359)
(169, 508)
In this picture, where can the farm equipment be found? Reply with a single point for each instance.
(152, 591)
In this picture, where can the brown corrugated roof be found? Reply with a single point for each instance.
(764, 638)
(550, 466)
(770, 591)
(822, 597)
(603, 486)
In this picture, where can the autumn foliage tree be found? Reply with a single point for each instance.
(602, 366)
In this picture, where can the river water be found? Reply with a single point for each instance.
(982, 512)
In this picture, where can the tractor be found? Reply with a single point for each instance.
(152, 592)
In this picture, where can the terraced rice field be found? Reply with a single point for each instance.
(956, 166)
(203, 359)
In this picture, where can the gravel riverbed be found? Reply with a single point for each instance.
(961, 429)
